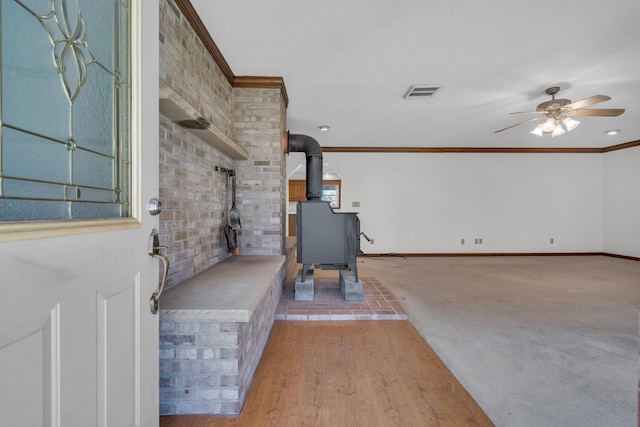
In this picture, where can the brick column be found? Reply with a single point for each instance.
(259, 121)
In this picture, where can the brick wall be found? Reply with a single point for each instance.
(258, 125)
(187, 68)
(196, 202)
(198, 367)
(193, 194)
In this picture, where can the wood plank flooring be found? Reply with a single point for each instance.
(348, 374)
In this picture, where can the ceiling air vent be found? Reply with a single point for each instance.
(421, 91)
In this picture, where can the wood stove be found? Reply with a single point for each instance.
(325, 239)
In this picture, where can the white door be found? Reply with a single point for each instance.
(78, 342)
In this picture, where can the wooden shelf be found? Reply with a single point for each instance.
(177, 109)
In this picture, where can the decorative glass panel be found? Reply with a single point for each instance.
(33, 157)
(93, 126)
(65, 138)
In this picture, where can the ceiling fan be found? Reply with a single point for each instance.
(559, 113)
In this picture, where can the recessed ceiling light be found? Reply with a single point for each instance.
(612, 131)
(324, 128)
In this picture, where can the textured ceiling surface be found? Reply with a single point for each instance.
(348, 64)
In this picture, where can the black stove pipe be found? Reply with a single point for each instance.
(313, 152)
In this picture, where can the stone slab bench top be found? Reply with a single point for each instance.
(229, 291)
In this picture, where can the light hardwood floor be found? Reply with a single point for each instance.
(349, 374)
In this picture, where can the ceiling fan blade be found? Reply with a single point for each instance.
(587, 101)
(532, 119)
(526, 112)
(606, 112)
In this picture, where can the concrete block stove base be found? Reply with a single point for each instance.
(351, 290)
(304, 290)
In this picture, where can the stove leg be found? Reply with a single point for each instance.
(354, 268)
(305, 270)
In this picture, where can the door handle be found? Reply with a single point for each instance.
(154, 252)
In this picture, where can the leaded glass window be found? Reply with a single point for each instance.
(65, 110)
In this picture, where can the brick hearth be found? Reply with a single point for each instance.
(329, 303)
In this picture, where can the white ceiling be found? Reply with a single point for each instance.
(348, 64)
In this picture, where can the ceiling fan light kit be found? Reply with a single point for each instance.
(558, 113)
(555, 127)
(570, 124)
(557, 131)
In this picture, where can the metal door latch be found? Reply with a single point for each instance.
(154, 252)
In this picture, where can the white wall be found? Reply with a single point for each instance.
(621, 197)
(427, 203)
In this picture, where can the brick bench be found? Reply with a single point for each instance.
(213, 329)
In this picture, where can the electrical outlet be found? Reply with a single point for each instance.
(551, 240)
(371, 241)
(480, 240)
(355, 204)
(462, 241)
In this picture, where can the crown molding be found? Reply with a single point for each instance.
(262, 83)
(532, 150)
(456, 150)
(190, 14)
(630, 144)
